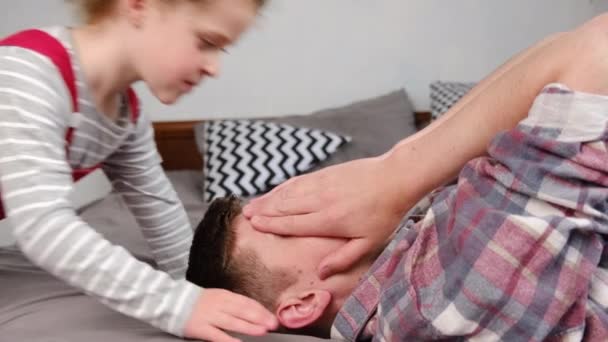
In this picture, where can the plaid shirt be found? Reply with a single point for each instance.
(514, 251)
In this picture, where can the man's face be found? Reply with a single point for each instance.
(301, 256)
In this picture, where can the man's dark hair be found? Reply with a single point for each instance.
(215, 262)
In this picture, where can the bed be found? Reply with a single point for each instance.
(35, 306)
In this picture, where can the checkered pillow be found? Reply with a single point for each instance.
(445, 94)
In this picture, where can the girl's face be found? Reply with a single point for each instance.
(176, 45)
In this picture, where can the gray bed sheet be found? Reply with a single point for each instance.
(35, 306)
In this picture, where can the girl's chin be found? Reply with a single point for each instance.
(169, 101)
(167, 98)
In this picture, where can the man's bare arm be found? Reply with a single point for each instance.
(577, 59)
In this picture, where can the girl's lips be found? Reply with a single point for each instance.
(188, 86)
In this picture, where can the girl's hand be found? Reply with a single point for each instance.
(218, 311)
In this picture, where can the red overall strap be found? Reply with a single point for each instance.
(47, 45)
(133, 105)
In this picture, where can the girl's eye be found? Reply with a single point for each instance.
(206, 44)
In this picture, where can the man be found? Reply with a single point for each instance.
(514, 251)
(275, 270)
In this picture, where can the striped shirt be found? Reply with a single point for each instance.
(35, 178)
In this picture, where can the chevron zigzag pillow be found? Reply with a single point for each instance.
(250, 157)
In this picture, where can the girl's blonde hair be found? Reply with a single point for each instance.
(94, 10)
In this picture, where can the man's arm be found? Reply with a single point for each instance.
(365, 199)
(498, 103)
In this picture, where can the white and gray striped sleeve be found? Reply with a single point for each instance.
(136, 173)
(35, 180)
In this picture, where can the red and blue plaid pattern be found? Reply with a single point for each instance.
(515, 251)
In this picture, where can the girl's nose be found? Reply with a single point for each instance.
(211, 66)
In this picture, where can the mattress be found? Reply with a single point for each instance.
(36, 306)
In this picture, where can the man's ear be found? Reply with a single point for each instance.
(303, 310)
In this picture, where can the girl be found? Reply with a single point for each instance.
(66, 104)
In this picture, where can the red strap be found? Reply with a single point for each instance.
(47, 45)
(133, 105)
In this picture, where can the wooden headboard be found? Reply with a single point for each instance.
(175, 142)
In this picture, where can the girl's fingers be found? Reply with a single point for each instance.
(249, 310)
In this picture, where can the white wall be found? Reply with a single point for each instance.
(304, 55)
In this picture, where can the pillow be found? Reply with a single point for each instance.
(374, 124)
(445, 94)
(247, 158)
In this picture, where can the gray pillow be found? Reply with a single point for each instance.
(374, 124)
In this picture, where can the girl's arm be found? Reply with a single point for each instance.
(35, 181)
